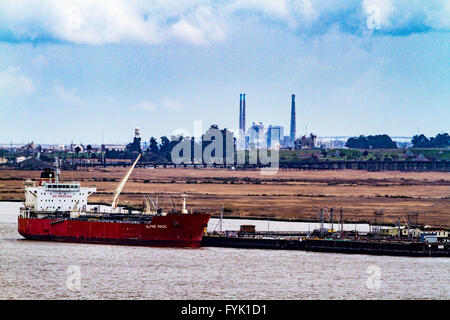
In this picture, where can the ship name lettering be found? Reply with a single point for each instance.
(154, 226)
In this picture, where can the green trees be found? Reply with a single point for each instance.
(135, 145)
(167, 146)
(442, 140)
(154, 148)
(382, 141)
(162, 152)
(420, 141)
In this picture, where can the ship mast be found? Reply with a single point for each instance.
(57, 170)
(122, 184)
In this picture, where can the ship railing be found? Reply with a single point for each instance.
(87, 216)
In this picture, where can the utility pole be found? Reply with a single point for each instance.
(321, 222)
(221, 217)
(332, 220)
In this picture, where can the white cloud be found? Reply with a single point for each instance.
(171, 104)
(67, 97)
(200, 27)
(409, 16)
(279, 8)
(205, 21)
(14, 83)
(144, 106)
(109, 21)
(166, 103)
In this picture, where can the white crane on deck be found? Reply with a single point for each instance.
(122, 184)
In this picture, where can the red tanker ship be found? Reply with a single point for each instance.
(57, 211)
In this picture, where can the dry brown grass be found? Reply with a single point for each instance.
(290, 194)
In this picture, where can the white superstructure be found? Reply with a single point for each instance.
(53, 195)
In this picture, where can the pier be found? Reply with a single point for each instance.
(371, 247)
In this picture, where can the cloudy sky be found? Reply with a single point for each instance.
(91, 71)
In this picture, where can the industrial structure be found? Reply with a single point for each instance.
(241, 139)
(256, 136)
(273, 137)
(293, 128)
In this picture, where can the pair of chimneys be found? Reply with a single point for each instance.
(293, 122)
(242, 113)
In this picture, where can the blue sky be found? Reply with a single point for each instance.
(91, 71)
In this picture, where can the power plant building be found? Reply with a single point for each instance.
(256, 136)
(275, 135)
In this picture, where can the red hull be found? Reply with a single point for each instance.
(181, 230)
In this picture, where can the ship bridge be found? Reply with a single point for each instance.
(67, 186)
(52, 196)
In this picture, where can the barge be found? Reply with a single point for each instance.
(371, 247)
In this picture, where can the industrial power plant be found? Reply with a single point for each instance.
(257, 136)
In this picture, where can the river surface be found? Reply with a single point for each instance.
(51, 270)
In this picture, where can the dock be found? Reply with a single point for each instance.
(371, 247)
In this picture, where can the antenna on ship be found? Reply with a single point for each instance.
(57, 170)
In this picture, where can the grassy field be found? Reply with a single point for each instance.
(292, 156)
(290, 194)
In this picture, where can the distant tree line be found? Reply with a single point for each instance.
(382, 141)
(162, 151)
(441, 140)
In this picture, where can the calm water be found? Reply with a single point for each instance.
(46, 270)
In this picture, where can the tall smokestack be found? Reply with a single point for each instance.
(293, 131)
(243, 114)
(240, 111)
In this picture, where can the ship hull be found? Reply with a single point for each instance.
(173, 230)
